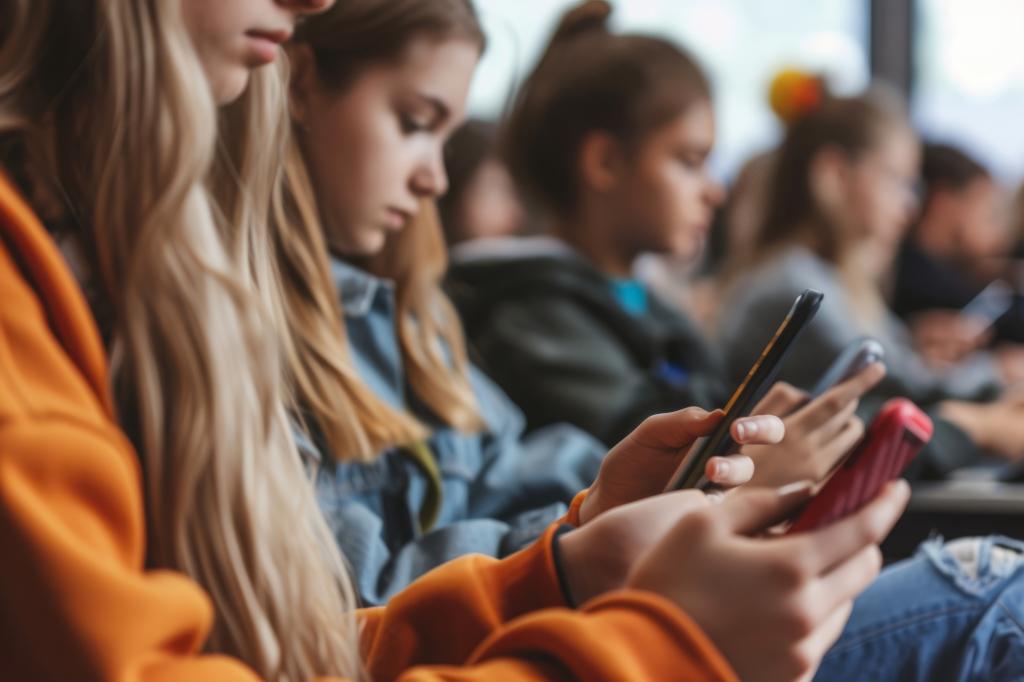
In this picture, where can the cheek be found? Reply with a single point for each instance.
(888, 214)
(350, 154)
(680, 193)
(334, 156)
(866, 205)
(216, 40)
(669, 205)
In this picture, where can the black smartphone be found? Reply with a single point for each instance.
(852, 361)
(691, 471)
(992, 303)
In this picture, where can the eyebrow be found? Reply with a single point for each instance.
(699, 149)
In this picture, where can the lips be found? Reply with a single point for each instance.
(277, 36)
(398, 218)
(264, 44)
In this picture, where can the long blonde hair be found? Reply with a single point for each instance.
(103, 99)
(429, 329)
(356, 424)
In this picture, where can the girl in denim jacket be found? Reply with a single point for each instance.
(371, 114)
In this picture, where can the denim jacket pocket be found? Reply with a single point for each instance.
(339, 483)
(458, 459)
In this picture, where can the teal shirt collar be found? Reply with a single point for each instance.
(631, 295)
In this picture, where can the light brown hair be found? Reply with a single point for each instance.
(590, 79)
(854, 126)
(356, 423)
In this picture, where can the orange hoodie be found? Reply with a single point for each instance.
(76, 602)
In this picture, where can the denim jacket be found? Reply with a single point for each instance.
(498, 490)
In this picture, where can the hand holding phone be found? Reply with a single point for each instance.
(988, 306)
(761, 375)
(819, 433)
(854, 359)
(896, 435)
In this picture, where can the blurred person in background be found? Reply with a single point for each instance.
(482, 200)
(843, 193)
(960, 243)
(610, 134)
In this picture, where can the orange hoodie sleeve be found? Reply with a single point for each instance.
(506, 619)
(78, 603)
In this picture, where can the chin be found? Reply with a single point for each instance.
(230, 85)
(369, 244)
(685, 251)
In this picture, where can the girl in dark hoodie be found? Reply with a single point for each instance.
(610, 134)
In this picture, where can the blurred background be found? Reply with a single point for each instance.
(960, 63)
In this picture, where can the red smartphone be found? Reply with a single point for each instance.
(896, 435)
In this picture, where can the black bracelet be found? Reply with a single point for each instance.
(556, 554)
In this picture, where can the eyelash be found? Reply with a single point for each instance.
(411, 126)
(692, 163)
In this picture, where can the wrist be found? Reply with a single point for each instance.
(590, 565)
(590, 508)
(967, 418)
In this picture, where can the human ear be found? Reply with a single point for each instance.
(302, 83)
(600, 161)
(828, 178)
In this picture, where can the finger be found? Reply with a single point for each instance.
(832, 408)
(841, 445)
(730, 472)
(750, 511)
(675, 430)
(764, 429)
(812, 649)
(833, 544)
(780, 400)
(848, 579)
(836, 423)
(838, 396)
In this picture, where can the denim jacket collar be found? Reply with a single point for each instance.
(360, 291)
(369, 306)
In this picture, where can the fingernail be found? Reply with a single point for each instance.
(721, 469)
(746, 429)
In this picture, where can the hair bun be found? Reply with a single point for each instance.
(794, 93)
(590, 15)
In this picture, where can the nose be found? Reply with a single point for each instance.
(714, 193)
(306, 6)
(911, 201)
(430, 179)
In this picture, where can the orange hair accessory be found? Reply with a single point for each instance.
(794, 93)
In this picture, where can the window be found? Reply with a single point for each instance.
(969, 79)
(741, 44)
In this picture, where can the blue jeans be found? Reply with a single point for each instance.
(952, 612)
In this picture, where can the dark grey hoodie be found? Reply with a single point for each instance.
(546, 325)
